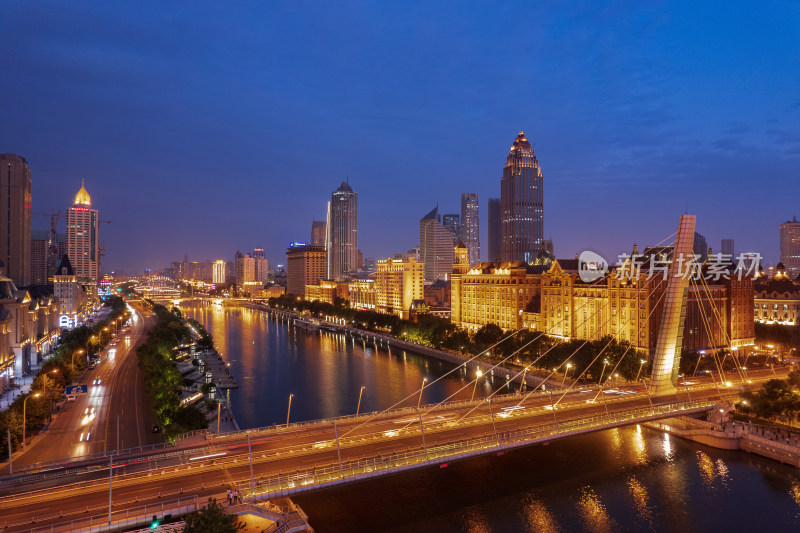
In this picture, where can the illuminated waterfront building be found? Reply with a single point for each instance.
(790, 247)
(399, 282)
(554, 300)
(15, 218)
(218, 272)
(521, 204)
(436, 247)
(362, 294)
(305, 265)
(83, 244)
(777, 300)
(342, 232)
(327, 291)
(470, 226)
(260, 267)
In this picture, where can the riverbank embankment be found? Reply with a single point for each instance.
(778, 444)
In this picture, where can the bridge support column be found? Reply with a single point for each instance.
(670, 336)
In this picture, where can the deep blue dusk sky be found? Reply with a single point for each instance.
(204, 127)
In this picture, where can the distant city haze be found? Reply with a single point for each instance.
(204, 131)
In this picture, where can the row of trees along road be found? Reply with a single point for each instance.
(68, 362)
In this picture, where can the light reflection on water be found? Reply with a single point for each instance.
(626, 479)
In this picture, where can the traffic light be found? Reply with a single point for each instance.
(154, 523)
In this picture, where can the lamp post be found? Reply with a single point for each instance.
(478, 375)
(491, 413)
(24, 419)
(73, 358)
(419, 401)
(641, 365)
(522, 385)
(566, 372)
(289, 410)
(360, 392)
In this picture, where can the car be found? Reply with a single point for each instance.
(155, 428)
(72, 397)
(98, 381)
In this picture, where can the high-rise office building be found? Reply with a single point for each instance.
(15, 218)
(521, 204)
(727, 247)
(436, 247)
(218, 272)
(453, 224)
(495, 233)
(261, 266)
(470, 226)
(83, 245)
(700, 246)
(305, 265)
(318, 232)
(40, 254)
(342, 232)
(790, 247)
(398, 283)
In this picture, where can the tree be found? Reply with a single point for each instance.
(212, 519)
(488, 335)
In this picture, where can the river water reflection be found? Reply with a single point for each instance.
(628, 479)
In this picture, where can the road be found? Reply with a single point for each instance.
(115, 387)
(204, 468)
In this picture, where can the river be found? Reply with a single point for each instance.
(628, 479)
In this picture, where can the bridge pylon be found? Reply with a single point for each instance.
(666, 358)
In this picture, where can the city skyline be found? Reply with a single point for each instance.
(641, 105)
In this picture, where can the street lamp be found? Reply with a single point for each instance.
(641, 365)
(478, 375)
(359, 399)
(419, 401)
(24, 413)
(289, 410)
(569, 365)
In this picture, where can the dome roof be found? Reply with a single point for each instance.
(83, 198)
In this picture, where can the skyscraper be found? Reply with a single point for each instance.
(470, 226)
(218, 273)
(727, 247)
(700, 246)
(521, 204)
(82, 238)
(318, 231)
(261, 267)
(436, 247)
(790, 247)
(495, 233)
(305, 265)
(40, 253)
(453, 224)
(342, 232)
(15, 218)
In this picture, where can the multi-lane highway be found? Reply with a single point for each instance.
(88, 425)
(208, 465)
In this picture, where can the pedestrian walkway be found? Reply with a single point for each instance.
(21, 386)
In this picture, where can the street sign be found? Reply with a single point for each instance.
(76, 389)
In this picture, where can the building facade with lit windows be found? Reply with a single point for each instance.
(790, 247)
(218, 272)
(362, 294)
(342, 232)
(83, 245)
(15, 218)
(399, 281)
(521, 204)
(305, 265)
(435, 247)
(554, 300)
(777, 300)
(470, 226)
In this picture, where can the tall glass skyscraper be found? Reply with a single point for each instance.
(342, 232)
(470, 228)
(521, 209)
(15, 218)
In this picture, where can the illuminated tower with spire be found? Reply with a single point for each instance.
(83, 247)
(521, 209)
(342, 232)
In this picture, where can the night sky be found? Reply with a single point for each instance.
(204, 127)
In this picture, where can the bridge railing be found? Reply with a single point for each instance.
(333, 473)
